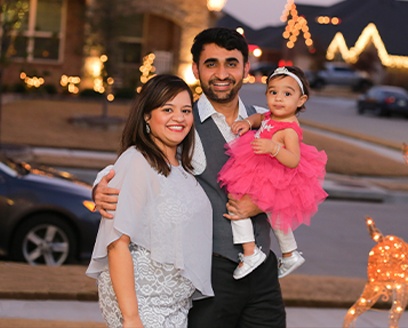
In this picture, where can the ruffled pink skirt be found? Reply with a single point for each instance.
(290, 196)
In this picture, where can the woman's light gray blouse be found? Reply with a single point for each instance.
(170, 216)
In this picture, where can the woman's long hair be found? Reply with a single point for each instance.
(154, 94)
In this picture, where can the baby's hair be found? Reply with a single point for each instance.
(301, 75)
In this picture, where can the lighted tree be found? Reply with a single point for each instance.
(101, 16)
(147, 69)
(13, 15)
(295, 25)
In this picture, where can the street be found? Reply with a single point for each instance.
(337, 242)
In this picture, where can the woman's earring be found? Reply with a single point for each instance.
(147, 128)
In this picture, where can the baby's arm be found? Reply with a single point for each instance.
(243, 126)
(286, 151)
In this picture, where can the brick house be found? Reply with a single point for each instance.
(51, 44)
(60, 38)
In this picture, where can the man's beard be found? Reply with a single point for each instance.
(226, 96)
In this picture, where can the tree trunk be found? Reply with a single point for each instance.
(1, 107)
(104, 107)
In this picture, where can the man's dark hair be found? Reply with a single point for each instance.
(223, 37)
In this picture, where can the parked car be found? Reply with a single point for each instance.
(46, 216)
(384, 100)
(339, 74)
(262, 68)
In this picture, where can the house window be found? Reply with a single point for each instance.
(130, 52)
(130, 37)
(41, 37)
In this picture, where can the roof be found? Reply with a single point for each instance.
(269, 37)
(389, 16)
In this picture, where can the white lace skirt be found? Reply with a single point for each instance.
(164, 296)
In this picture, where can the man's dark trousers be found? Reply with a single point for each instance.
(254, 301)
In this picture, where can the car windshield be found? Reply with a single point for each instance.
(19, 168)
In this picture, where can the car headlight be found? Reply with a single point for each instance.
(90, 205)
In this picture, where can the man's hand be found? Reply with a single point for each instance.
(105, 198)
(241, 208)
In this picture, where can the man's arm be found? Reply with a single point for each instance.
(241, 208)
(105, 197)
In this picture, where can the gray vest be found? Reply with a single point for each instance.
(214, 149)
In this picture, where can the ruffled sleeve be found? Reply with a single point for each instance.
(136, 180)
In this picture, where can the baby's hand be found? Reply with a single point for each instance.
(240, 127)
(263, 146)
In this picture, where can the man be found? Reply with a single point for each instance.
(220, 62)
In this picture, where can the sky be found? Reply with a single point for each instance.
(261, 13)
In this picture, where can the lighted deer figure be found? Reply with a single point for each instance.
(405, 152)
(387, 274)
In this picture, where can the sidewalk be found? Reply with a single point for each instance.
(67, 286)
(37, 296)
(68, 314)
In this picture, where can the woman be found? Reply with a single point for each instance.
(157, 250)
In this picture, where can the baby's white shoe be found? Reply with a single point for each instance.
(249, 263)
(289, 264)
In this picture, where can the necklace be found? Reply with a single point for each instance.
(183, 173)
(181, 170)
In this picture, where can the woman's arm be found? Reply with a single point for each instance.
(122, 275)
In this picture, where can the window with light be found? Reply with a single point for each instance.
(40, 37)
(129, 30)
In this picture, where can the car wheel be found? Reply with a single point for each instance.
(360, 109)
(382, 112)
(44, 239)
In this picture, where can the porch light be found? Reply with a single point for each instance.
(216, 5)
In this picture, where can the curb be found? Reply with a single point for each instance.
(24, 282)
(348, 188)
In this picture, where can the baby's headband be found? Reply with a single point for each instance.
(285, 71)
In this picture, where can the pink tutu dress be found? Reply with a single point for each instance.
(290, 196)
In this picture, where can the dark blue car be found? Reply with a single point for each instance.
(46, 216)
(384, 100)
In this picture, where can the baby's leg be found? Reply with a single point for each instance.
(243, 233)
(291, 258)
(287, 241)
(252, 257)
